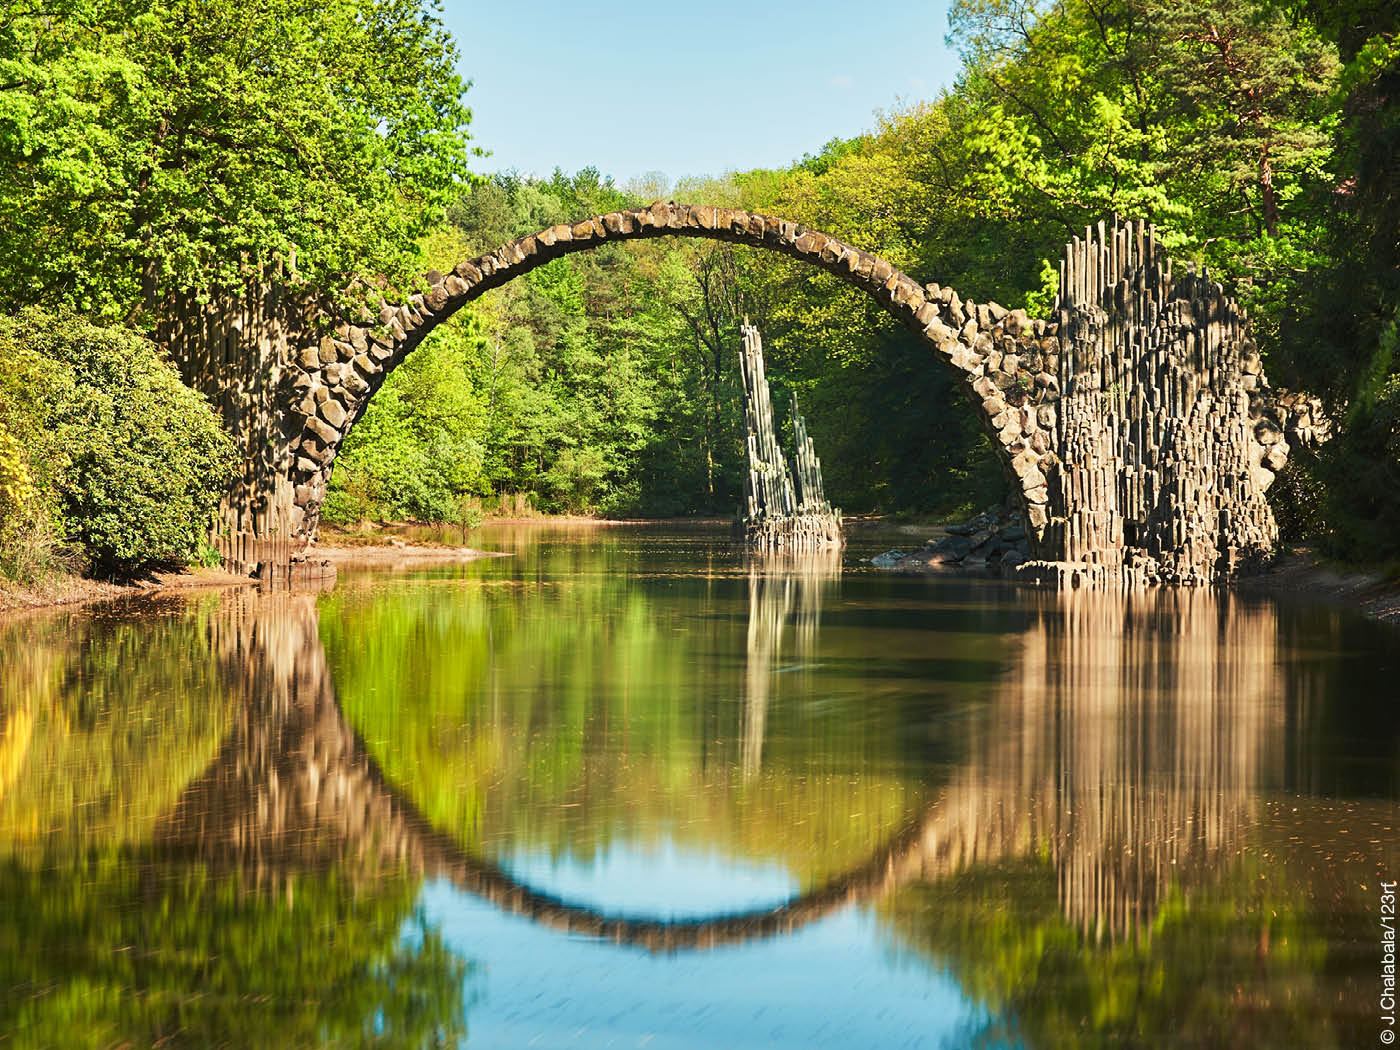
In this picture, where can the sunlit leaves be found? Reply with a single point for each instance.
(147, 145)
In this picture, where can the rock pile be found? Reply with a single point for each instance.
(994, 542)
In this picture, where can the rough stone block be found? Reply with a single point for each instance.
(333, 412)
(353, 384)
(961, 356)
(326, 434)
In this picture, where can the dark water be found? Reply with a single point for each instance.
(625, 790)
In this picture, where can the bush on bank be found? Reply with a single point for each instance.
(108, 462)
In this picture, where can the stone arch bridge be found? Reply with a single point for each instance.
(1135, 424)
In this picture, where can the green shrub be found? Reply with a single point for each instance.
(417, 453)
(1361, 469)
(126, 463)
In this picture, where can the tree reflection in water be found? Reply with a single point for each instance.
(1116, 865)
(1108, 862)
(213, 916)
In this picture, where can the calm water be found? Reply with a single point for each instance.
(624, 789)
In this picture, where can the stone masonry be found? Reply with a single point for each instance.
(1136, 423)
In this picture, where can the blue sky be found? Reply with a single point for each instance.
(688, 90)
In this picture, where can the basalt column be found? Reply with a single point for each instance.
(1161, 471)
(782, 512)
(246, 351)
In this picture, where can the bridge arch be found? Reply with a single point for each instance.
(997, 354)
(1136, 423)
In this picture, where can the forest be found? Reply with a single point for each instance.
(142, 153)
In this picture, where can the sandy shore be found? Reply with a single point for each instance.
(393, 553)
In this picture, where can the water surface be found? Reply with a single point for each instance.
(626, 788)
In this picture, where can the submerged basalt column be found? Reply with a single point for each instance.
(783, 511)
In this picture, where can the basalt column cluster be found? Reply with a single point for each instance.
(1163, 405)
(783, 510)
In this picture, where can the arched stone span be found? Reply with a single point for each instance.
(1136, 422)
(341, 373)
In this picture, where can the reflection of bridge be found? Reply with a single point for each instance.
(1120, 795)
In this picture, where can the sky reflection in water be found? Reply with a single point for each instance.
(876, 811)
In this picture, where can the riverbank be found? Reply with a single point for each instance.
(393, 552)
(77, 590)
(1301, 576)
(63, 591)
(1296, 576)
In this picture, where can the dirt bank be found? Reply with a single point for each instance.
(74, 590)
(395, 553)
(1300, 576)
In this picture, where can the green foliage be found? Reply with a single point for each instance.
(417, 452)
(127, 464)
(97, 954)
(1346, 319)
(1361, 470)
(148, 145)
